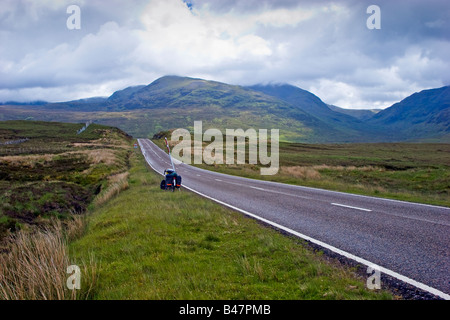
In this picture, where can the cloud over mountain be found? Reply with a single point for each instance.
(322, 46)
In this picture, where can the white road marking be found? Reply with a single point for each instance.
(267, 190)
(345, 206)
(259, 188)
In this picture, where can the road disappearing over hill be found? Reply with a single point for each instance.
(407, 241)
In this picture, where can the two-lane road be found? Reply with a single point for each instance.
(405, 240)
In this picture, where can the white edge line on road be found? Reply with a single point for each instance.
(345, 206)
(325, 245)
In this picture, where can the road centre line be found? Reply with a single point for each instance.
(351, 207)
(393, 214)
(265, 190)
(258, 188)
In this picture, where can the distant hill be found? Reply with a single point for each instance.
(361, 114)
(348, 126)
(422, 116)
(176, 102)
(31, 103)
(91, 100)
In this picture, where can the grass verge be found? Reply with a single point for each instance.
(152, 244)
(34, 264)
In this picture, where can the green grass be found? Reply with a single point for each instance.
(151, 244)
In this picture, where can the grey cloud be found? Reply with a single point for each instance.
(330, 50)
(246, 6)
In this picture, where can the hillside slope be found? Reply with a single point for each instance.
(423, 115)
(350, 128)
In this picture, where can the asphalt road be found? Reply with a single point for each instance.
(405, 240)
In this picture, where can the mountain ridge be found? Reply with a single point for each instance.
(422, 115)
(175, 102)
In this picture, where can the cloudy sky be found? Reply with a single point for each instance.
(321, 46)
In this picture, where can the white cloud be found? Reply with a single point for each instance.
(183, 42)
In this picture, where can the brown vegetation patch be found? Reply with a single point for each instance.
(301, 172)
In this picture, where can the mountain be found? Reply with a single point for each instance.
(222, 106)
(348, 126)
(361, 114)
(176, 102)
(124, 94)
(424, 115)
(304, 116)
(303, 99)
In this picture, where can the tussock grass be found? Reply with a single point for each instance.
(105, 156)
(251, 267)
(301, 172)
(96, 156)
(313, 172)
(116, 184)
(35, 263)
(76, 227)
(347, 168)
(29, 160)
